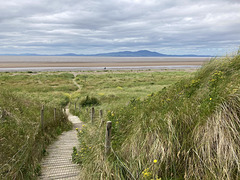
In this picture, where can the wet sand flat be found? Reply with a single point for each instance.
(90, 64)
(52, 61)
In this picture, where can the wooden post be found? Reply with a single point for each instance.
(101, 117)
(92, 114)
(54, 113)
(3, 114)
(101, 114)
(108, 138)
(42, 118)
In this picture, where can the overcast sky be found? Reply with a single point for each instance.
(96, 26)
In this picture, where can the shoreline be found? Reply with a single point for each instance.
(56, 69)
(96, 64)
(18, 64)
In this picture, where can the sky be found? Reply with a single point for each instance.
(210, 27)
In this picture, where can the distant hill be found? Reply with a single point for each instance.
(141, 53)
(144, 53)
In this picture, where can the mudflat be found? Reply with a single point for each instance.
(69, 61)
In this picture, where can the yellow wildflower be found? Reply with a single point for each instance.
(155, 161)
(76, 128)
(146, 174)
(119, 88)
(210, 99)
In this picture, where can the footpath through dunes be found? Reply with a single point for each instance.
(58, 163)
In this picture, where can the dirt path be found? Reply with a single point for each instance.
(58, 163)
(74, 81)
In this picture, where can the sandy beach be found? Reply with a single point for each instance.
(28, 62)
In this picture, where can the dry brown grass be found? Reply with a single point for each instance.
(216, 150)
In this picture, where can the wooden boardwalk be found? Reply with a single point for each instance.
(58, 163)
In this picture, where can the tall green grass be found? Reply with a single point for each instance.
(189, 130)
(22, 142)
(116, 88)
(48, 88)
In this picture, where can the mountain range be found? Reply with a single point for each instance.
(141, 53)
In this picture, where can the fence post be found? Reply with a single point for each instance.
(101, 114)
(3, 114)
(54, 113)
(42, 118)
(101, 117)
(92, 114)
(108, 138)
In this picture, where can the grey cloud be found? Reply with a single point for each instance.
(88, 26)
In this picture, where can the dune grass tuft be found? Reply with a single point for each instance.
(191, 129)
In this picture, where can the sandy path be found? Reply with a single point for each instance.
(74, 81)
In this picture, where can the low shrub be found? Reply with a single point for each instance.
(89, 101)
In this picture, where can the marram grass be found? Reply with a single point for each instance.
(189, 130)
(22, 142)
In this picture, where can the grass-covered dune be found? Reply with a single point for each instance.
(22, 141)
(190, 130)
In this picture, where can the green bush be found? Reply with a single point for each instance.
(89, 101)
